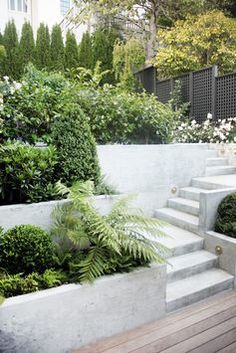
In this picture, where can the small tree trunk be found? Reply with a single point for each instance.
(152, 42)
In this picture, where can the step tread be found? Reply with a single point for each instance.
(193, 189)
(186, 202)
(196, 283)
(182, 262)
(178, 238)
(183, 216)
(221, 167)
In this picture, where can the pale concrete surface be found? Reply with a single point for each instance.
(60, 319)
(220, 180)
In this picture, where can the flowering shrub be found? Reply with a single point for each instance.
(222, 131)
(27, 108)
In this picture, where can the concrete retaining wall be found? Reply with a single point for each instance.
(227, 260)
(61, 319)
(39, 214)
(152, 171)
(209, 202)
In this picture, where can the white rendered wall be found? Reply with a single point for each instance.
(19, 17)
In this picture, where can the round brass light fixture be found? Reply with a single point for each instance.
(218, 250)
(174, 190)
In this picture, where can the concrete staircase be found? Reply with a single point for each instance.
(192, 272)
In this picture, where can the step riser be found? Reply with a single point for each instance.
(189, 248)
(177, 222)
(184, 208)
(197, 296)
(219, 171)
(212, 154)
(205, 185)
(189, 195)
(217, 162)
(191, 270)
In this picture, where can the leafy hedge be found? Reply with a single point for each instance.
(26, 173)
(75, 145)
(29, 106)
(121, 117)
(226, 216)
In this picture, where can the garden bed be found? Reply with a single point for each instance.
(68, 317)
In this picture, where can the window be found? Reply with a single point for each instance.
(65, 7)
(18, 5)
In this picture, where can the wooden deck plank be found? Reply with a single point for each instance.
(149, 334)
(231, 348)
(188, 332)
(204, 337)
(218, 343)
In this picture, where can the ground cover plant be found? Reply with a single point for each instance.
(226, 216)
(83, 246)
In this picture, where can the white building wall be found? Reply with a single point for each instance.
(48, 12)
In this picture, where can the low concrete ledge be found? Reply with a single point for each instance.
(65, 318)
(227, 260)
(39, 214)
(209, 202)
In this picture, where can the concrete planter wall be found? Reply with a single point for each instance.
(227, 260)
(61, 319)
(151, 171)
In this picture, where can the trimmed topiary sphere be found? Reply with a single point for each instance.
(226, 216)
(26, 249)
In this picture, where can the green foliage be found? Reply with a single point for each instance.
(120, 239)
(10, 41)
(24, 249)
(29, 106)
(26, 173)
(76, 148)
(85, 56)
(226, 216)
(43, 60)
(57, 49)
(127, 58)
(103, 46)
(12, 285)
(120, 117)
(27, 46)
(2, 53)
(197, 42)
(71, 51)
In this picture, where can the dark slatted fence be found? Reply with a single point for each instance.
(204, 89)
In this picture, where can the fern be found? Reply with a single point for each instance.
(122, 239)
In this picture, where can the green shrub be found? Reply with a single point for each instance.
(121, 117)
(26, 249)
(29, 106)
(26, 173)
(11, 285)
(226, 216)
(76, 148)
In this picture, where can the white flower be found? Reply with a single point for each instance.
(6, 78)
(209, 116)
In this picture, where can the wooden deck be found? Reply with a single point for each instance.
(206, 327)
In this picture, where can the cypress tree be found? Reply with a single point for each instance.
(27, 45)
(43, 47)
(103, 46)
(71, 51)
(86, 52)
(10, 42)
(57, 49)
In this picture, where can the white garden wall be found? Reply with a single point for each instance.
(151, 171)
(62, 319)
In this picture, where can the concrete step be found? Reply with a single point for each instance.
(183, 266)
(197, 287)
(212, 153)
(213, 162)
(220, 170)
(205, 183)
(191, 193)
(180, 241)
(184, 205)
(178, 218)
